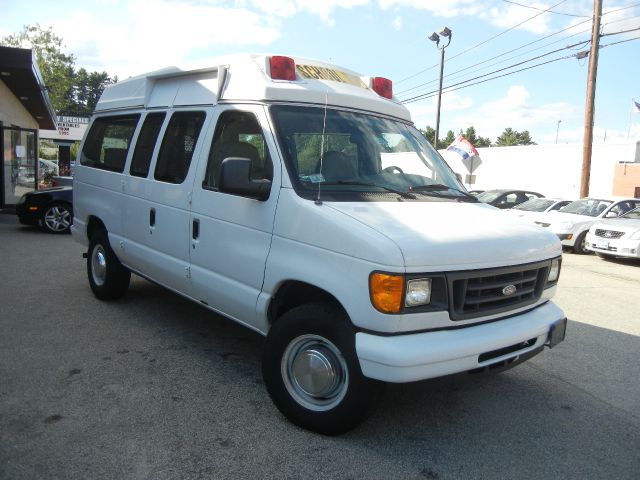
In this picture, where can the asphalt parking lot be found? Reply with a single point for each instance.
(155, 387)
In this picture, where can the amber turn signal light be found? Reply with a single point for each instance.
(386, 292)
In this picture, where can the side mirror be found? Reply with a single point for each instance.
(611, 215)
(235, 178)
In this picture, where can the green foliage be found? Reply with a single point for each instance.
(474, 139)
(448, 140)
(512, 137)
(71, 92)
(429, 133)
(469, 134)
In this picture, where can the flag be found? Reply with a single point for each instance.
(463, 147)
(636, 106)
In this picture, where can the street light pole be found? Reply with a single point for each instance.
(558, 131)
(434, 37)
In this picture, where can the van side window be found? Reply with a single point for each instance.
(238, 134)
(108, 142)
(145, 143)
(177, 146)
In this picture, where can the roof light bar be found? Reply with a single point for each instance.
(382, 86)
(282, 68)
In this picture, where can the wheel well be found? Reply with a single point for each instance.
(94, 225)
(292, 294)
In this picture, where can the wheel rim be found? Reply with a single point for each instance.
(57, 219)
(98, 265)
(314, 372)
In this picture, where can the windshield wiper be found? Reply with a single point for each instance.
(439, 187)
(368, 184)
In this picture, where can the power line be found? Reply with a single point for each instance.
(452, 75)
(510, 51)
(451, 89)
(430, 94)
(550, 11)
(483, 42)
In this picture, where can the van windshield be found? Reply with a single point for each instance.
(349, 156)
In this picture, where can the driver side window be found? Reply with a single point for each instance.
(238, 134)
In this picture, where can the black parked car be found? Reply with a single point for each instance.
(51, 209)
(507, 198)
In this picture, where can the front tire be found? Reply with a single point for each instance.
(579, 246)
(108, 278)
(312, 373)
(57, 218)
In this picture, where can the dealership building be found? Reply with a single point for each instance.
(24, 110)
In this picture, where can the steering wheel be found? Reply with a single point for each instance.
(393, 169)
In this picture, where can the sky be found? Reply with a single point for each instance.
(387, 38)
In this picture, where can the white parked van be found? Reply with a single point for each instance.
(297, 198)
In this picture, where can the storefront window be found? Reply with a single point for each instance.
(19, 164)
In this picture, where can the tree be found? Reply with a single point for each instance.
(56, 67)
(448, 140)
(512, 137)
(70, 91)
(476, 141)
(429, 133)
(88, 86)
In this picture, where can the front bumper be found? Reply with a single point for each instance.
(614, 247)
(27, 216)
(419, 356)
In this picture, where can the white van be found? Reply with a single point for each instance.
(297, 198)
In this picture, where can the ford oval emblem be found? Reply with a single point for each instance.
(509, 290)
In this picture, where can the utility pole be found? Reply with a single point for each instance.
(587, 145)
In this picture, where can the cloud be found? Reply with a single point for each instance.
(149, 34)
(515, 110)
(510, 15)
(397, 23)
(441, 8)
(322, 8)
(424, 113)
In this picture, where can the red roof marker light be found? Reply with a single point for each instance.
(382, 86)
(282, 68)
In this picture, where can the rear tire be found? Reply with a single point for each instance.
(108, 278)
(312, 373)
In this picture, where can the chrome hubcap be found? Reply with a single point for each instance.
(98, 265)
(314, 372)
(57, 219)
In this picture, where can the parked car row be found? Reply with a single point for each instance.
(606, 226)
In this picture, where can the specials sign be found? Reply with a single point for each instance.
(69, 128)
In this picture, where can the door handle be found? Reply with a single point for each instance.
(152, 217)
(195, 229)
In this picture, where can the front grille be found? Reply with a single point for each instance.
(486, 292)
(608, 233)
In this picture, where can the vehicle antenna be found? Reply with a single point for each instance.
(324, 126)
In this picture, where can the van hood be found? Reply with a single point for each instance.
(452, 236)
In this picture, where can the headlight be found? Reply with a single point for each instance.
(22, 200)
(390, 292)
(567, 225)
(554, 271)
(418, 292)
(635, 235)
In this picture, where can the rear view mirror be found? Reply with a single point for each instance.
(235, 178)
